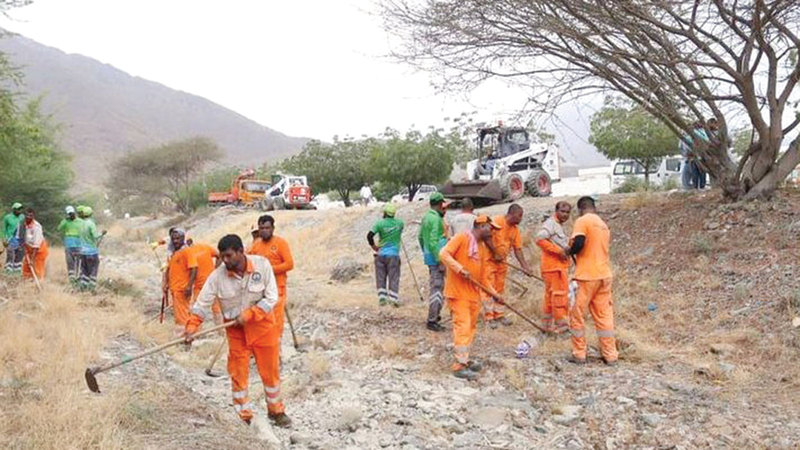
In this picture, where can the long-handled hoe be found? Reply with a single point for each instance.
(411, 269)
(90, 373)
(214, 360)
(33, 272)
(512, 309)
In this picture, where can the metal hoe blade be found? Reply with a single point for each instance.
(91, 381)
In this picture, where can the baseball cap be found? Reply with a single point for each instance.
(485, 219)
(69, 210)
(436, 197)
(88, 210)
(390, 209)
(16, 206)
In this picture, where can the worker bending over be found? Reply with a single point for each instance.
(506, 238)
(590, 244)
(248, 293)
(554, 243)
(467, 258)
(36, 247)
(387, 255)
(276, 250)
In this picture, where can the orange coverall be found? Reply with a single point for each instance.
(277, 251)
(34, 240)
(593, 274)
(503, 240)
(464, 298)
(203, 259)
(254, 296)
(552, 240)
(178, 268)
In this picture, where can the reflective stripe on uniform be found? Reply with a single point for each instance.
(245, 407)
(605, 333)
(272, 390)
(264, 305)
(239, 394)
(273, 401)
(576, 333)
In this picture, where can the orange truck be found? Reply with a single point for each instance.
(245, 190)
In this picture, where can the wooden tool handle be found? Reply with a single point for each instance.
(127, 359)
(489, 291)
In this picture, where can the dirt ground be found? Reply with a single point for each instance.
(705, 294)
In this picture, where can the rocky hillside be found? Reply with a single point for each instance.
(105, 111)
(706, 301)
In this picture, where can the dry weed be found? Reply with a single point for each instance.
(514, 375)
(318, 365)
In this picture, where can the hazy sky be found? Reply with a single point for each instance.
(310, 68)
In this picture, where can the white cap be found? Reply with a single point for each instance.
(70, 210)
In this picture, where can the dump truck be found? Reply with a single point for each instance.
(507, 165)
(246, 190)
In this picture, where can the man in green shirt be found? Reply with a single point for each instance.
(15, 251)
(431, 239)
(387, 255)
(90, 256)
(70, 228)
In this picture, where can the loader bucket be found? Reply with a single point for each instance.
(477, 190)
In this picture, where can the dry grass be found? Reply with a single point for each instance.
(318, 365)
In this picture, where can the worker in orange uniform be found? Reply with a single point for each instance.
(554, 243)
(590, 244)
(277, 251)
(248, 293)
(36, 247)
(201, 262)
(176, 277)
(505, 239)
(467, 257)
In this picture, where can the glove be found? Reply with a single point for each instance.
(154, 245)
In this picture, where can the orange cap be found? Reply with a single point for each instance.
(485, 219)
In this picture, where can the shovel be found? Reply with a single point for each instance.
(214, 360)
(90, 373)
(291, 327)
(503, 302)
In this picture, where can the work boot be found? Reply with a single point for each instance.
(610, 363)
(433, 326)
(281, 420)
(474, 366)
(382, 301)
(506, 321)
(465, 374)
(493, 324)
(395, 303)
(574, 360)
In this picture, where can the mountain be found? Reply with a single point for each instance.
(105, 112)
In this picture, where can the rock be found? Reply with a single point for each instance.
(726, 368)
(347, 269)
(796, 322)
(722, 349)
(567, 414)
(625, 401)
(394, 397)
(712, 225)
(300, 438)
(489, 417)
(264, 431)
(586, 401)
(319, 339)
(651, 419)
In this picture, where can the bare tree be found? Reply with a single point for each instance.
(682, 61)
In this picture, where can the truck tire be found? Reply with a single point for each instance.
(278, 203)
(266, 204)
(539, 184)
(513, 187)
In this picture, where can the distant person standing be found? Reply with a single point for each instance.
(432, 238)
(591, 240)
(70, 229)
(366, 195)
(90, 252)
(36, 247)
(464, 220)
(387, 255)
(12, 241)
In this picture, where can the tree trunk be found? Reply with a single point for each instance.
(412, 191)
(778, 172)
(345, 194)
